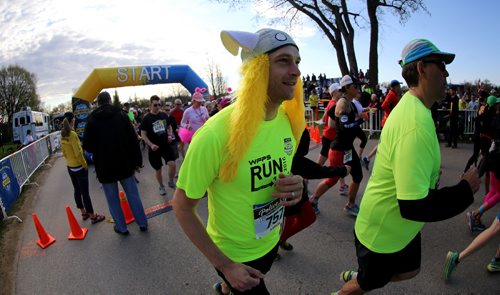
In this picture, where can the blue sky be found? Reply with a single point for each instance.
(62, 41)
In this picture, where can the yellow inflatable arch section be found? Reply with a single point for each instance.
(102, 78)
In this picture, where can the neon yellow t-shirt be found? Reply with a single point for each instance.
(231, 223)
(407, 166)
(313, 100)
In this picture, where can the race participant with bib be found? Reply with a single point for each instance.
(328, 134)
(347, 124)
(243, 158)
(402, 192)
(158, 134)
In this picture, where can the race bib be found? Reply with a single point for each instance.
(267, 217)
(347, 156)
(159, 127)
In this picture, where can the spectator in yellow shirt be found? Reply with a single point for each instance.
(77, 169)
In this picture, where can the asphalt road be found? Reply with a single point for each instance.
(163, 260)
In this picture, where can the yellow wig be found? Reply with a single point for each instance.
(249, 109)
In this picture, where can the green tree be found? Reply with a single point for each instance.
(116, 100)
(17, 90)
(61, 108)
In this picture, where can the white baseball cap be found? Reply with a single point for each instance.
(347, 80)
(334, 87)
(253, 44)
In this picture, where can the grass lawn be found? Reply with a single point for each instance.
(7, 149)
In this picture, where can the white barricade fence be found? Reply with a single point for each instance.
(26, 161)
(373, 122)
(466, 118)
(55, 141)
(309, 116)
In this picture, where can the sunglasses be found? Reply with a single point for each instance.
(440, 63)
(156, 104)
(167, 110)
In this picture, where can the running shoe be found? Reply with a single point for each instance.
(348, 275)
(366, 163)
(315, 207)
(449, 264)
(478, 226)
(218, 288)
(353, 210)
(343, 190)
(470, 220)
(162, 190)
(171, 184)
(494, 265)
(286, 246)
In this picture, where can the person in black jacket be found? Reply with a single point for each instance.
(112, 140)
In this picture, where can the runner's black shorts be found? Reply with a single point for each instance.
(262, 264)
(164, 152)
(376, 269)
(325, 146)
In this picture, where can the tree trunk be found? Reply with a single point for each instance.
(373, 55)
(344, 23)
(339, 49)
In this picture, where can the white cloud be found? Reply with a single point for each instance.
(62, 41)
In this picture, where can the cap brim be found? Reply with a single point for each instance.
(447, 57)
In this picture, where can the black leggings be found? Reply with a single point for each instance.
(481, 144)
(80, 180)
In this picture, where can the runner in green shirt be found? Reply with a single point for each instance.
(402, 193)
(243, 157)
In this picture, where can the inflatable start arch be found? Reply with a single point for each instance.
(102, 78)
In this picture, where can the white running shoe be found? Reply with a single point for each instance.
(162, 190)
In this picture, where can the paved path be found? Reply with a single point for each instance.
(163, 261)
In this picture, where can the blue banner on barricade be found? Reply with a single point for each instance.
(9, 190)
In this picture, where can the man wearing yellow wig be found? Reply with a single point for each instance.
(243, 157)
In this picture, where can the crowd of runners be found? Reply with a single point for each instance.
(249, 158)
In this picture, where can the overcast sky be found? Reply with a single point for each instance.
(62, 41)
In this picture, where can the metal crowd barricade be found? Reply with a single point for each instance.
(309, 116)
(467, 119)
(26, 161)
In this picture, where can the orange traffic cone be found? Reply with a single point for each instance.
(45, 239)
(311, 132)
(317, 136)
(77, 232)
(129, 218)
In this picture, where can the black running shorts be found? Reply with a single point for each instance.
(164, 152)
(376, 269)
(262, 264)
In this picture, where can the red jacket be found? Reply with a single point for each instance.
(390, 101)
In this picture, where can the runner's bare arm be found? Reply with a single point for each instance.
(148, 142)
(240, 276)
(331, 123)
(341, 107)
